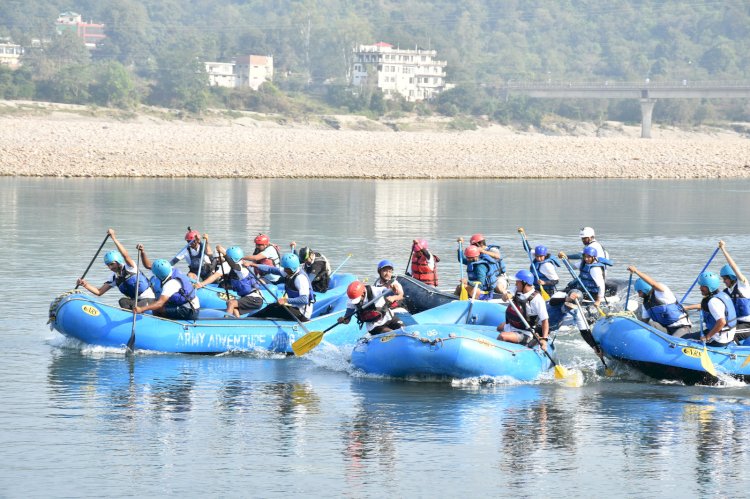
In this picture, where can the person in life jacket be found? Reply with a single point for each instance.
(718, 315)
(583, 316)
(191, 253)
(531, 305)
(591, 275)
(543, 266)
(377, 317)
(267, 254)
(178, 299)
(299, 297)
(124, 277)
(479, 274)
(738, 289)
(491, 255)
(386, 279)
(239, 279)
(423, 263)
(588, 238)
(659, 304)
(316, 265)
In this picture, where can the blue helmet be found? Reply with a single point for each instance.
(290, 261)
(385, 263)
(709, 280)
(235, 254)
(642, 286)
(113, 256)
(726, 271)
(525, 276)
(540, 250)
(588, 250)
(162, 269)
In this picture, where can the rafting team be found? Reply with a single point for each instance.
(725, 314)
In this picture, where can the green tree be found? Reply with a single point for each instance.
(113, 86)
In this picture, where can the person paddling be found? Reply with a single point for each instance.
(660, 305)
(544, 264)
(591, 275)
(123, 277)
(178, 299)
(423, 263)
(588, 238)
(718, 315)
(240, 279)
(490, 253)
(197, 253)
(386, 279)
(738, 289)
(299, 297)
(316, 265)
(377, 317)
(530, 303)
(265, 253)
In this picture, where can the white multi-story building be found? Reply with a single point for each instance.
(414, 74)
(10, 55)
(247, 71)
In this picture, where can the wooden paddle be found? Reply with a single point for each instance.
(311, 340)
(131, 340)
(526, 246)
(93, 259)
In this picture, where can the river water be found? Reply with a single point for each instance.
(82, 421)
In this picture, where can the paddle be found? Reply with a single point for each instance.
(131, 341)
(200, 260)
(93, 259)
(699, 275)
(464, 294)
(471, 303)
(408, 263)
(311, 340)
(560, 371)
(585, 289)
(526, 246)
(341, 264)
(706, 362)
(285, 308)
(607, 370)
(627, 296)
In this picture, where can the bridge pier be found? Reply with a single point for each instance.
(647, 109)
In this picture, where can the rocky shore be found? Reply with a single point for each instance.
(74, 144)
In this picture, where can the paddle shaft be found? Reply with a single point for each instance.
(200, 261)
(131, 340)
(284, 307)
(461, 265)
(588, 328)
(341, 264)
(627, 296)
(93, 259)
(699, 275)
(408, 263)
(531, 330)
(531, 261)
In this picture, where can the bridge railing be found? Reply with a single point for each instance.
(603, 85)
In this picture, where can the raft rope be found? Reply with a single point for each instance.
(52, 314)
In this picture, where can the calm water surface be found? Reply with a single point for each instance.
(81, 421)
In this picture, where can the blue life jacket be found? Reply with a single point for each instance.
(186, 292)
(741, 303)
(662, 312)
(487, 283)
(195, 262)
(588, 280)
(291, 289)
(730, 314)
(498, 263)
(155, 285)
(243, 286)
(126, 284)
(535, 269)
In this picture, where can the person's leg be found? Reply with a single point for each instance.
(232, 308)
(126, 303)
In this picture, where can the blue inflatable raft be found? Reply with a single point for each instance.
(661, 356)
(455, 340)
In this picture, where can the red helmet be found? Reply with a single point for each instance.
(476, 238)
(355, 290)
(471, 252)
(192, 235)
(421, 244)
(262, 239)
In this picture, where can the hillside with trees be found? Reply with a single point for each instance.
(154, 52)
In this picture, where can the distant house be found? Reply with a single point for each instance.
(91, 32)
(414, 74)
(246, 71)
(10, 55)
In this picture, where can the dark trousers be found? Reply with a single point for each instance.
(277, 311)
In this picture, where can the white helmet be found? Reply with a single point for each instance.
(586, 232)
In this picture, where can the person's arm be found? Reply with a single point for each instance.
(494, 253)
(717, 309)
(598, 276)
(303, 285)
(208, 280)
(157, 305)
(209, 252)
(94, 290)
(651, 282)
(269, 269)
(129, 261)
(740, 278)
(179, 256)
(145, 260)
(398, 293)
(694, 306)
(461, 258)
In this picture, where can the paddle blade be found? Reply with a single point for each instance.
(747, 361)
(307, 342)
(573, 379)
(464, 295)
(706, 362)
(545, 295)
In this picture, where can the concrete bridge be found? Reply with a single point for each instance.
(647, 92)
